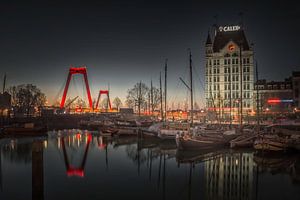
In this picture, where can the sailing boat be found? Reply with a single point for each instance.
(202, 140)
(169, 130)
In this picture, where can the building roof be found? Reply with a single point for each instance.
(208, 40)
(296, 74)
(223, 37)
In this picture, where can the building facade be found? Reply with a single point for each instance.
(229, 73)
(296, 89)
(274, 97)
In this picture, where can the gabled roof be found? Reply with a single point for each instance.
(208, 40)
(222, 38)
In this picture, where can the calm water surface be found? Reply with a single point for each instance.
(83, 165)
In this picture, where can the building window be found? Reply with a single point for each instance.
(218, 79)
(233, 61)
(228, 61)
(237, 70)
(236, 61)
(218, 71)
(215, 79)
(233, 79)
(218, 62)
(248, 60)
(237, 78)
(225, 78)
(214, 62)
(225, 61)
(244, 60)
(237, 86)
(225, 70)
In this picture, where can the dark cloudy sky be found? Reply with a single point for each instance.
(122, 42)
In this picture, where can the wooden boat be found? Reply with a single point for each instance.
(108, 130)
(243, 141)
(170, 130)
(28, 129)
(170, 134)
(204, 141)
(271, 144)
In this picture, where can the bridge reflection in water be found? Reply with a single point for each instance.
(148, 168)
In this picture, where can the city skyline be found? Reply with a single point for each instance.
(123, 43)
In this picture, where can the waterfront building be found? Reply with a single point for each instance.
(275, 97)
(296, 89)
(229, 73)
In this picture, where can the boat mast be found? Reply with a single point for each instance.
(140, 97)
(161, 98)
(4, 84)
(230, 100)
(151, 93)
(166, 69)
(191, 87)
(257, 97)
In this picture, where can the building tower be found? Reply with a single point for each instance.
(229, 73)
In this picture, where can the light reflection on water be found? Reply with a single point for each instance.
(83, 165)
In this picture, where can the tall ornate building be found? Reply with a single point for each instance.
(229, 72)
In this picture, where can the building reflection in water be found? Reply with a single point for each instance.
(230, 176)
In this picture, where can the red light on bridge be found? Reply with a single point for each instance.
(75, 172)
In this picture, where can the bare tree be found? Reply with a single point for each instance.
(26, 99)
(117, 102)
(137, 96)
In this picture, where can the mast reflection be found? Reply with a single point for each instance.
(37, 171)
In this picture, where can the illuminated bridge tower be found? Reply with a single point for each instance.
(73, 71)
(229, 59)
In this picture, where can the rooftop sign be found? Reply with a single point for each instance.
(229, 28)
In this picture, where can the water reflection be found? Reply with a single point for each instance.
(139, 168)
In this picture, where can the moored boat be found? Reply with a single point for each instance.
(28, 129)
(271, 144)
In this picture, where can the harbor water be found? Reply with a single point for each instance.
(76, 164)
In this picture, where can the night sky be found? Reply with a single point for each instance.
(123, 42)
